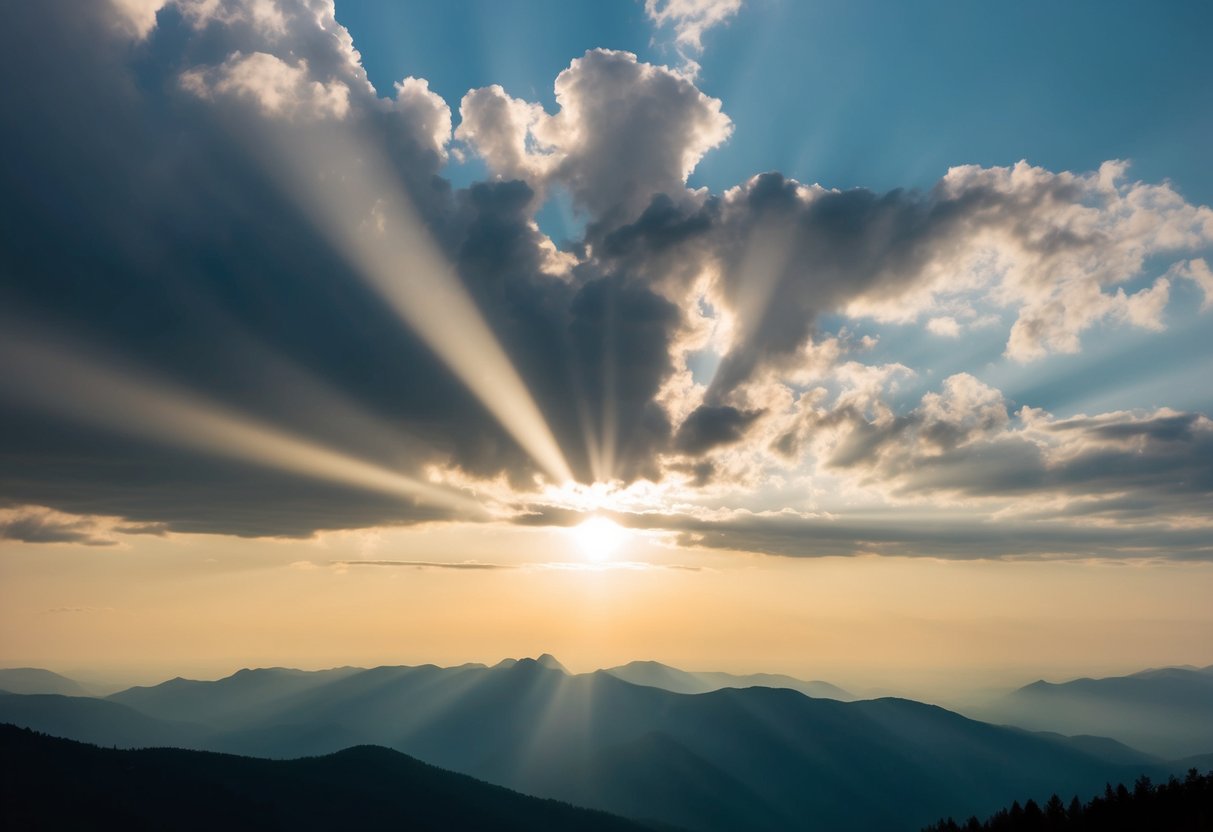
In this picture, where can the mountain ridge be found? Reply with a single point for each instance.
(365, 787)
(772, 755)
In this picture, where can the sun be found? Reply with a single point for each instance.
(598, 538)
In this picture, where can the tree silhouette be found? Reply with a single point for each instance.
(1174, 806)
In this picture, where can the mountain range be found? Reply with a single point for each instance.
(732, 758)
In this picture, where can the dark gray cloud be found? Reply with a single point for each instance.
(926, 534)
(42, 527)
(961, 443)
(166, 240)
(711, 427)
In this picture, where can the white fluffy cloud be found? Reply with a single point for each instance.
(625, 131)
(1055, 247)
(1059, 251)
(1196, 270)
(426, 110)
(135, 18)
(293, 60)
(275, 86)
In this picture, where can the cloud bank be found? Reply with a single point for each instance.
(260, 232)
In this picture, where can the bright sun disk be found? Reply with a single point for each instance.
(598, 538)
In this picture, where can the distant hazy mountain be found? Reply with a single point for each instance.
(247, 691)
(96, 720)
(657, 675)
(756, 758)
(36, 680)
(53, 783)
(1168, 712)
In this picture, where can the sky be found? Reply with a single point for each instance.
(856, 341)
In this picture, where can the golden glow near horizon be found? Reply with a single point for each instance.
(206, 605)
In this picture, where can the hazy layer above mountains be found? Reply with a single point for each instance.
(755, 758)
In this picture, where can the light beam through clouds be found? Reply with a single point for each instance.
(55, 380)
(342, 180)
(375, 227)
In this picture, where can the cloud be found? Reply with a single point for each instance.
(1057, 249)
(944, 325)
(277, 87)
(703, 346)
(34, 524)
(1196, 270)
(134, 18)
(709, 427)
(625, 131)
(79, 609)
(937, 536)
(475, 566)
(690, 19)
(961, 444)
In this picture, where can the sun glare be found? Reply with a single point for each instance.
(598, 538)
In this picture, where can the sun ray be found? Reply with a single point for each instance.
(374, 225)
(88, 391)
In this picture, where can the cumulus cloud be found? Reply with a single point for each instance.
(625, 131)
(277, 87)
(1056, 249)
(961, 443)
(134, 18)
(1196, 270)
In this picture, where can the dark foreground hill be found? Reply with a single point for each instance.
(51, 783)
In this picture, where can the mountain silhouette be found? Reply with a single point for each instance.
(52, 783)
(98, 721)
(37, 680)
(735, 758)
(1167, 711)
(658, 675)
(224, 699)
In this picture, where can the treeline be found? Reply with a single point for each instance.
(1175, 806)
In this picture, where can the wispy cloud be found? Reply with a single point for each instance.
(690, 20)
(470, 565)
(34, 524)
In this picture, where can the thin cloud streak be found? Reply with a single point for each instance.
(475, 566)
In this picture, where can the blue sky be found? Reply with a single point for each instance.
(862, 94)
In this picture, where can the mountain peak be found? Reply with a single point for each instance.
(549, 661)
